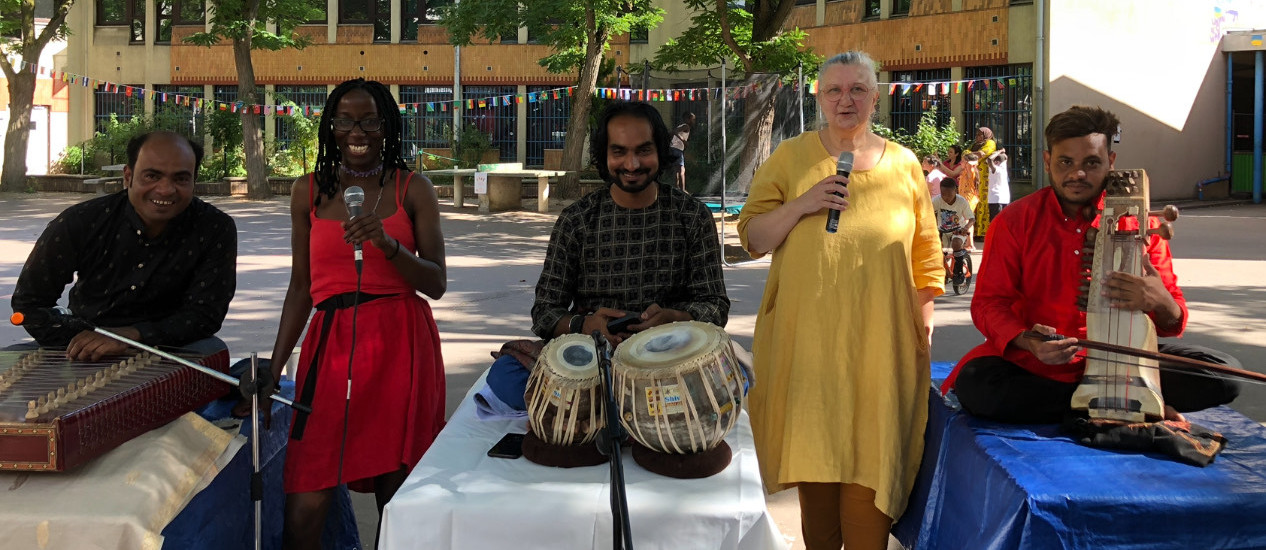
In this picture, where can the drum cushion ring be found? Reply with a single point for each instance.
(683, 466)
(561, 456)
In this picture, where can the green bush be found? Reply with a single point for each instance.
(928, 139)
(471, 145)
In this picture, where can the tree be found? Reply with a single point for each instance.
(578, 31)
(749, 36)
(246, 23)
(18, 35)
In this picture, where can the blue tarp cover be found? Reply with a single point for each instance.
(986, 485)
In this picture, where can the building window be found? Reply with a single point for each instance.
(900, 7)
(130, 13)
(1007, 110)
(639, 35)
(908, 106)
(427, 128)
(547, 122)
(499, 122)
(871, 9)
(377, 12)
(172, 113)
(313, 96)
(114, 103)
(178, 12)
(423, 12)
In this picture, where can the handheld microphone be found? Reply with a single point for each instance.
(53, 317)
(842, 168)
(354, 197)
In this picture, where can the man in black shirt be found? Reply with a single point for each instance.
(152, 262)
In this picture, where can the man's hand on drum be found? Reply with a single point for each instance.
(656, 315)
(598, 321)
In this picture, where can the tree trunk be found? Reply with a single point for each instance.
(21, 96)
(578, 122)
(758, 126)
(252, 134)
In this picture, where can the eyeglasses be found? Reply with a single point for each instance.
(346, 124)
(857, 92)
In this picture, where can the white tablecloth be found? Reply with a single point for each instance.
(459, 498)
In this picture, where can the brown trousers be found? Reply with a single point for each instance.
(841, 514)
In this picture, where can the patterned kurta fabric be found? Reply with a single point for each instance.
(840, 348)
(603, 255)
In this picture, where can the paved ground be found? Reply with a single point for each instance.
(494, 261)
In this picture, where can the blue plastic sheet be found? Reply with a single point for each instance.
(223, 516)
(987, 485)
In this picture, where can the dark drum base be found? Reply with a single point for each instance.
(687, 466)
(561, 456)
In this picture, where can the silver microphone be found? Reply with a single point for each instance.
(354, 197)
(842, 168)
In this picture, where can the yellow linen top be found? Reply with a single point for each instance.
(840, 349)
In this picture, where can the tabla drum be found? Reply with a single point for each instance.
(564, 404)
(680, 390)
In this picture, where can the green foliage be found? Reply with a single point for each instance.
(560, 24)
(927, 140)
(471, 146)
(299, 156)
(227, 159)
(768, 49)
(240, 19)
(13, 23)
(110, 146)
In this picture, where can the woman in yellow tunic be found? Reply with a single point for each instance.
(841, 341)
(983, 146)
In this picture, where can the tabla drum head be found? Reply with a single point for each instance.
(571, 357)
(668, 345)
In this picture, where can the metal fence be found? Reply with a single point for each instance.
(228, 94)
(1005, 106)
(908, 106)
(499, 122)
(187, 119)
(546, 122)
(106, 103)
(283, 125)
(423, 128)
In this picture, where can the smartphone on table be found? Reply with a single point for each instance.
(510, 446)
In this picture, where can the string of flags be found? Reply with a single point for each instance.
(930, 88)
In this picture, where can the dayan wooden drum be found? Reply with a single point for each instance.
(564, 404)
(680, 390)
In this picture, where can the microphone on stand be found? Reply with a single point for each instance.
(53, 317)
(354, 197)
(842, 168)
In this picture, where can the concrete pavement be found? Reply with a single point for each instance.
(494, 261)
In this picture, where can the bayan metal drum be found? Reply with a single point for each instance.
(564, 404)
(680, 391)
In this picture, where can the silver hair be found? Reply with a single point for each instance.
(855, 57)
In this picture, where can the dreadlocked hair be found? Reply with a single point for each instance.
(328, 157)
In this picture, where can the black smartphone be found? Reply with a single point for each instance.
(616, 326)
(510, 446)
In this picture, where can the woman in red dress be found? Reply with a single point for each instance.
(385, 330)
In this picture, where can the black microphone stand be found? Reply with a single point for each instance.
(248, 386)
(609, 443)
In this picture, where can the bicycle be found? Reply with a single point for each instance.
(958, 264)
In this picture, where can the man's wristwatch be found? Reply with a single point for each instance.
(577, 324)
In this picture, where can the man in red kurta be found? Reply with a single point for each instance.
(1029, 280)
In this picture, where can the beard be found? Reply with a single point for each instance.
(1066, 198)
(633, 188)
